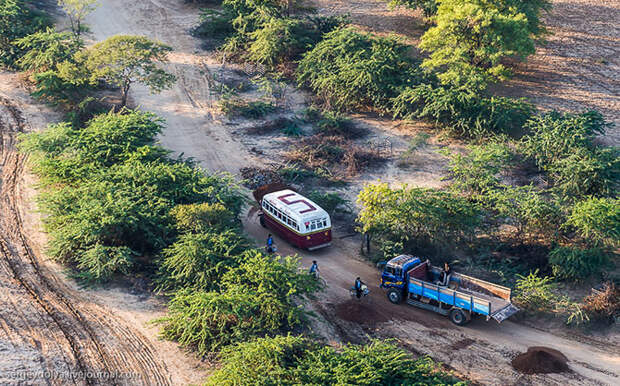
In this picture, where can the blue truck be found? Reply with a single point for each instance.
(409, 278)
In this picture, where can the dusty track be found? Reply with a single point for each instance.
(95, 346)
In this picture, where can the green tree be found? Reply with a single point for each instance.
(472, 38)
(44, 50)
(16, 21)
(416, 214)
(350, 69)
(597, 220)
(575, 263)
(122, 60)
(293, 360)
(429, 7)
(77, 10)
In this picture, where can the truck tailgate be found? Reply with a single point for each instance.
(505, 313)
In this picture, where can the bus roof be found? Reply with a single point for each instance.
(294, 203)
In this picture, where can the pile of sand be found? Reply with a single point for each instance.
(357, 311)
(540, 360)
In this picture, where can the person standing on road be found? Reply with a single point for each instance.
(314, 269)
(270, 244)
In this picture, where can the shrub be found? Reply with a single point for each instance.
(278, 39)
(475, 174)
(258, 296)
(534, 293)
(233, 106)
(331, 202)
(429, 7)
(199, 260)
(295, 360)
(45, 49)
(526, 209)
(16, 21)
(573, 263)
(416, 214)
(203, 217)
(562, 145)
(597, 220)
(603, 305)
(349, 69)
(472, 39)
(462, 111)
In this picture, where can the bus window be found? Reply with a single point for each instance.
(325, 223)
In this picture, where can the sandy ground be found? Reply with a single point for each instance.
(481, 351)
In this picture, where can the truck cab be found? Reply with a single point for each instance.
(394, 276)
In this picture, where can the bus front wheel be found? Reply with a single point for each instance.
(261, 219)
(458, 317)
(394, 295)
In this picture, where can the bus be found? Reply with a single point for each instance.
(296, 219)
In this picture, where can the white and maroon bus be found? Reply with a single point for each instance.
(296, 219)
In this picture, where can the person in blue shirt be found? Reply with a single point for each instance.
(358, 287)
(314, 269)
(269, 243)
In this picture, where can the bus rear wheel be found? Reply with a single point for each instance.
(395, 296)
(458, 317)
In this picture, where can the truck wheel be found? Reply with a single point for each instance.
(458, 317)
(261, 219)
(394, 295)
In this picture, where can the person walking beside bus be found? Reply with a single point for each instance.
(314, 269)
(270, 244)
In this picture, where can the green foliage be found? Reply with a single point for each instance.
(256, 297)
(198, 260)
(16, 21)
(331, 202)
(462, 111)
(45, 49)
(349, 69)
(233, 106)
(416, 214)
(291, 360)
(429, 7)
(562, 145)
(597, 220)
(109, 192)
(573, 263)
(534, 293)
(122, 60)
(77, 10)
(203, 217)
(278, 39)
(476, 173)
(472, 39)
(527, 210)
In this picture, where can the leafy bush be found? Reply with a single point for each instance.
(278, 39)
(350, 69)
(597, 220)
(16, 21)
(462, 111)
(331, 202)
(526, 209)
(203, 217)
(45, 49)
(429, 7)
(199, 260)
(534, 293)
(475, 173)
(416, 214)
(295, 360)
(233, 106)
(574, 263)
(562, 145)
(472, 39)
(256, 297)
(109, 192)
(603, 305)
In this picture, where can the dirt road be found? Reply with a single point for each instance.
(49, 332)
